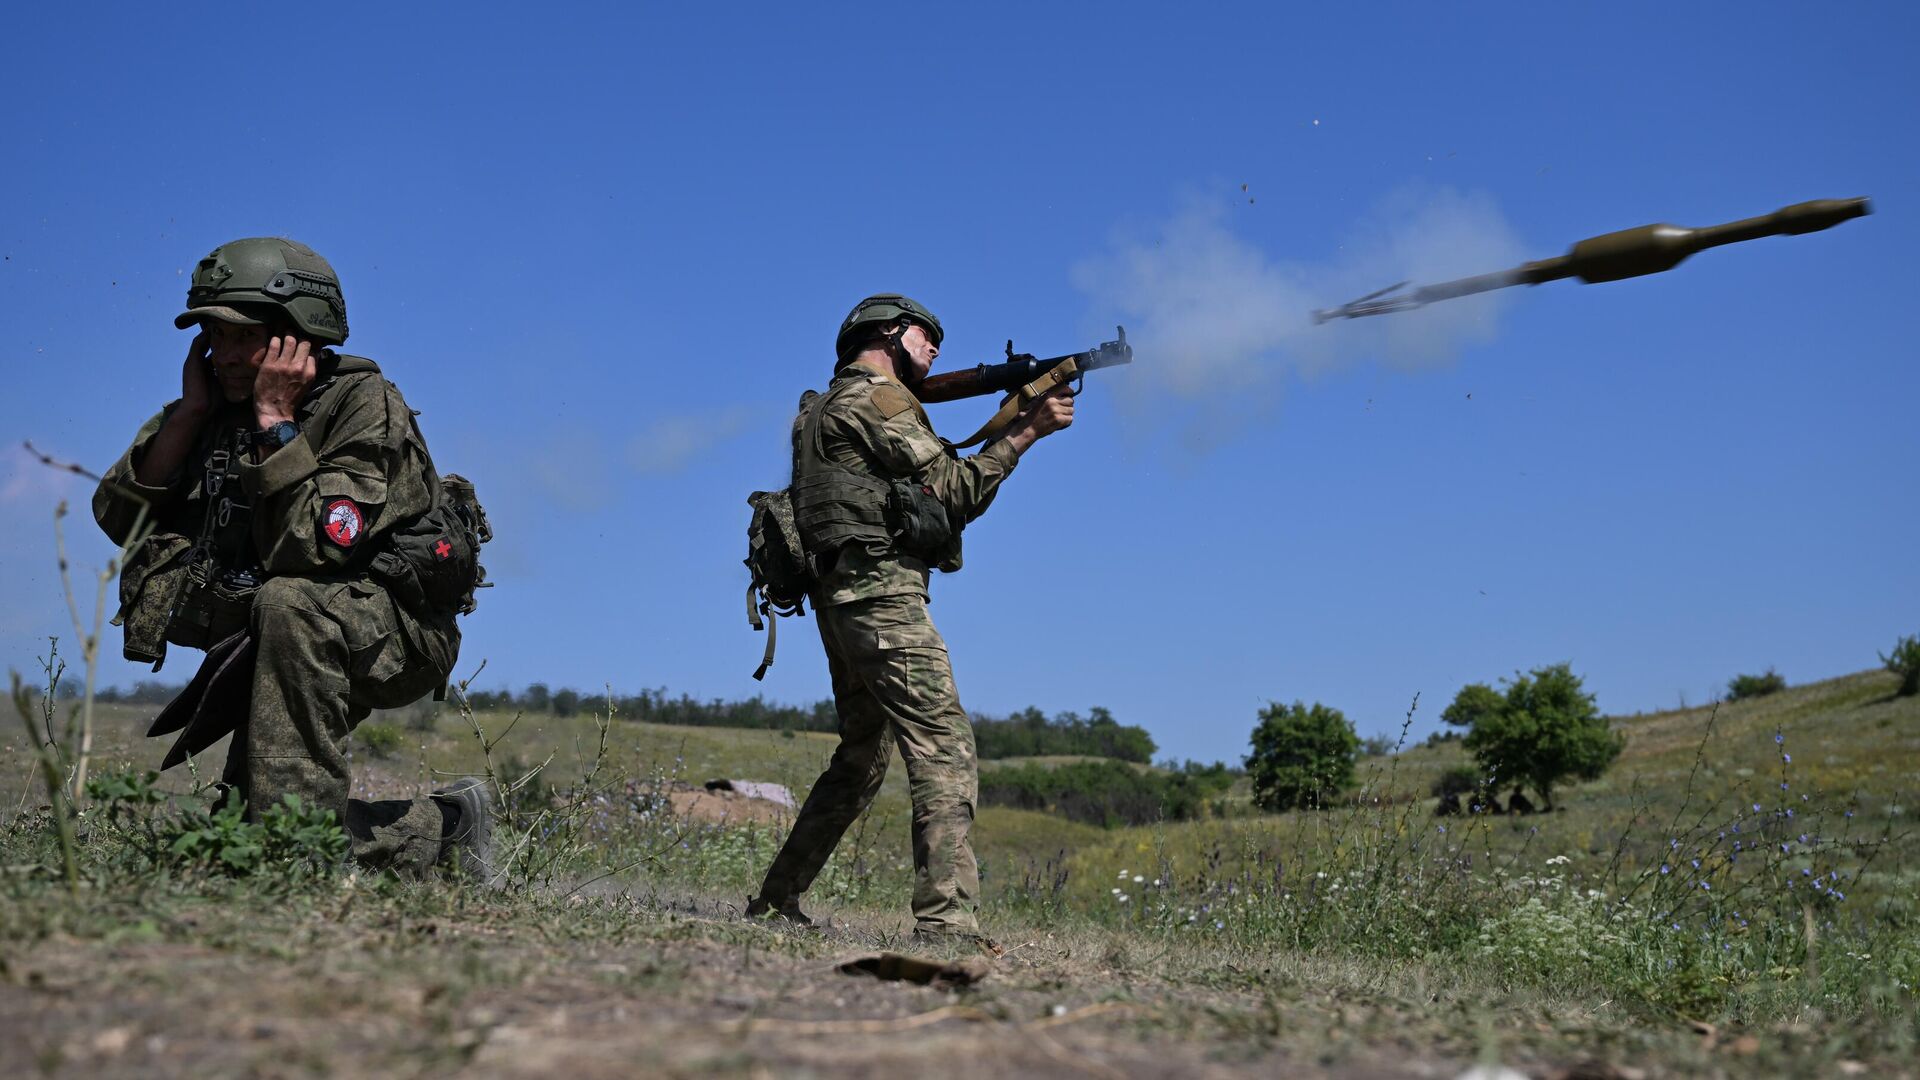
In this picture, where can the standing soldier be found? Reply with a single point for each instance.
(288, 492)
(879, 500)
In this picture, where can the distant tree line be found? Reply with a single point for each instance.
(1027, 733)
(1108, 793)
(1031, 733)
(144, 692)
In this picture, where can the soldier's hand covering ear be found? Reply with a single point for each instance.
(282, 380)
(196, 376)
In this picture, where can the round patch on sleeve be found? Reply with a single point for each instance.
(342, 522)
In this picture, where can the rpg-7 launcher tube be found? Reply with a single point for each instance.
(1019, 370)
(987, 378)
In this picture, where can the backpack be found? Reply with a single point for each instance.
(781, 573)
(432, 563)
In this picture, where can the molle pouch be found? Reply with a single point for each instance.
(214, 605)
(918, 520)
(150, 585)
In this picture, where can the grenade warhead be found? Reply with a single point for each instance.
(1648, 249)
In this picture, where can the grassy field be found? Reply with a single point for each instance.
(1375, 940)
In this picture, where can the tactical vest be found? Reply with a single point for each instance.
(832, 506)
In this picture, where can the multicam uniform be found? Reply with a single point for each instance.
(892, 683)
(284, 546)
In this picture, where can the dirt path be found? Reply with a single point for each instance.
(204, 994)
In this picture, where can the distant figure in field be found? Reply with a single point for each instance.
(287, 518)
(880, 501)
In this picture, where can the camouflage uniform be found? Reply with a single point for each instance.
(332, 642)
(892, 684)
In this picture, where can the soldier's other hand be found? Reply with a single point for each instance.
(1042, 418)
(283, 379)
(1052, 412)
(196, 377)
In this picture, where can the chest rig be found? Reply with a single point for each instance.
(223, 564)
(834, 506)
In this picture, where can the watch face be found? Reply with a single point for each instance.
(281, 433)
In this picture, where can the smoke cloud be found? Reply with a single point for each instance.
(670, 444)
(1214, 317)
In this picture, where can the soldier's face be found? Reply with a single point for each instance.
(920, 352)
(237, 353)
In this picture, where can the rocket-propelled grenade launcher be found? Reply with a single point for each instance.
(1019, 369)
(1024, 378)
(1648, 249)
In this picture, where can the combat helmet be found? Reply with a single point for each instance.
(233, 281)
(876, 310)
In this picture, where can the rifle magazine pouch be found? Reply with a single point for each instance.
(150, 586)
(919, 521)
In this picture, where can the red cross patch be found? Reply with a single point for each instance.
(443, 551)
(342, 522)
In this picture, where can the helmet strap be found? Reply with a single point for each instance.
(897, 353)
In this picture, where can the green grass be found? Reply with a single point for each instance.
(1553, 938)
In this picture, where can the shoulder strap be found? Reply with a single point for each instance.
(328, 407)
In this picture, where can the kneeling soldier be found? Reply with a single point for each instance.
(276, 489)
(879, 500)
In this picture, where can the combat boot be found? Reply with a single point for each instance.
(761, 908)
(960, 939)
(468, 842)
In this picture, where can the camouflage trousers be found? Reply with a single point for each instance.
(331, 651)
(892, 686)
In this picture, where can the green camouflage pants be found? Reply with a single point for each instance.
(331, 651)
(892, 686)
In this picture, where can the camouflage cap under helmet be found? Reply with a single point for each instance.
(873, 312)
(233, 282)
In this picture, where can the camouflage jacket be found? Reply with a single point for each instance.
(874, 426)
(319, 506)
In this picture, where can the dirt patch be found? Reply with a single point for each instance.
(721, 806)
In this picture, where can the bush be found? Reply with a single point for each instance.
(1546, 729)
(1106, 793)
(290, 839)
(1742, 687)
(1455, 782)
(1904, 661)
(381, 740)
(1302, 756)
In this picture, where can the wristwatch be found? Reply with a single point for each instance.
(275, 436)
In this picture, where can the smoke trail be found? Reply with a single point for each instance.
(1215, 317)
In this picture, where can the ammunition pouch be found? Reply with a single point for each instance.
(154, 577)
(919, 524)
(214, 605)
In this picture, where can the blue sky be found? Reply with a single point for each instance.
(604, 250)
